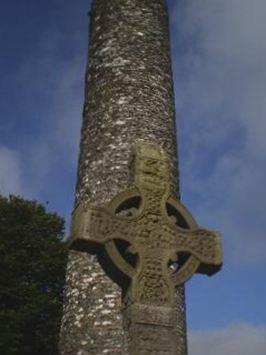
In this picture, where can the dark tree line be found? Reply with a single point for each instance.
(32, 269)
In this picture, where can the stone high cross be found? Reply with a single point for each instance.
(128, 225)
(138, 222)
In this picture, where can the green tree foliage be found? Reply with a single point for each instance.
(32, 269)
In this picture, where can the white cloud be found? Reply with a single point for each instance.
(220, 90)
(10, 172)
(244, 339)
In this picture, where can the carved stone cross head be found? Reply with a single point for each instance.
(144, 237)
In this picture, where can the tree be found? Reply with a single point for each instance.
(32, 269)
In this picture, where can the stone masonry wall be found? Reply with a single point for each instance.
(128, 97)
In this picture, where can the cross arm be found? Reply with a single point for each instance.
(203, 244)
(94, 226)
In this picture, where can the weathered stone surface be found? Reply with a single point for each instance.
(149, 244)
(92, 317)
(128, 97)
(146, 223)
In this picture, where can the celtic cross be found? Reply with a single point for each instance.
(149, 244)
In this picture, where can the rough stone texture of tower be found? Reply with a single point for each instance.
(128, 97)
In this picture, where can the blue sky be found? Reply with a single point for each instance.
(218, 53)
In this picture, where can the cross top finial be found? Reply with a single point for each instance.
(151, 165)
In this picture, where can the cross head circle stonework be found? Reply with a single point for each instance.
(146, 240)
